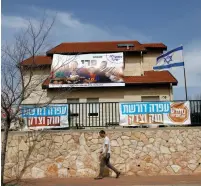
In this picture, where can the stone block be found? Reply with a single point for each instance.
(126, 142)
(181, 148)
(95, 135)
(151, 140)
(67, 137)
(82, 140)
(114, 143)
(37, 173)
(58, 139)
(52, 171)
(62, 173)
(136, 136)
(120, 142)
(23, 146)
(116, 150)
(127, 134)
(175, 168)
(125, 137)
(94, 141)
(165, 150)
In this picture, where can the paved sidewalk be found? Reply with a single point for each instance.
(194, 180)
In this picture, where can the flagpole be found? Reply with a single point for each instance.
(185, 78)
(185, 83)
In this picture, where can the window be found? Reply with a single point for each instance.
(150, 98)
(73, 100)
(93, 106)
(92, 100)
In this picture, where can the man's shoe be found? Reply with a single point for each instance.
(98, 178)
(118, 174)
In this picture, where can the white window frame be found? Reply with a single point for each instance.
(73, 100)
(150, 99)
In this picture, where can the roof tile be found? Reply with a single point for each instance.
(154, 45)
(151, 77)
(37, 60)
(91, 47)
(109, 46)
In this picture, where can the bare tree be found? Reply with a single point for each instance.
(19, 82)
(21, 162)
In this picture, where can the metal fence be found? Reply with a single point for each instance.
(195, 106)
(93, 114)
(82, 115)
(106, 114)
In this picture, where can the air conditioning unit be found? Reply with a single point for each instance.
(127, 45)
(164, 98)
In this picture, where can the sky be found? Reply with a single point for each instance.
(172, 22)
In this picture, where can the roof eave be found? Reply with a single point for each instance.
(45, 86)
(92, 52)
(151, 83)
(35, 65)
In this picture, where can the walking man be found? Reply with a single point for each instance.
(105, 156)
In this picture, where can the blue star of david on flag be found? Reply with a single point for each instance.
(173, 58)
(168, 59)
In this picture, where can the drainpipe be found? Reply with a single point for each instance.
(141, 63)
(170, 91)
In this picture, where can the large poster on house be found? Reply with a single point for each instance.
(156, 113)
(87, 70)
(51, 116)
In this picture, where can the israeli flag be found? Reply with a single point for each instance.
(173, 58)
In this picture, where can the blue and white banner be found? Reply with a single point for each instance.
(173, 58)
(154, 113)
(51, 116)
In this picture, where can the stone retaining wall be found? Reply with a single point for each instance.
(138, 152)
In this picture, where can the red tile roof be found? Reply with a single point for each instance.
(150, 77)
(37, 60)
(154, 45)
(91, 47)
(109, 46)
